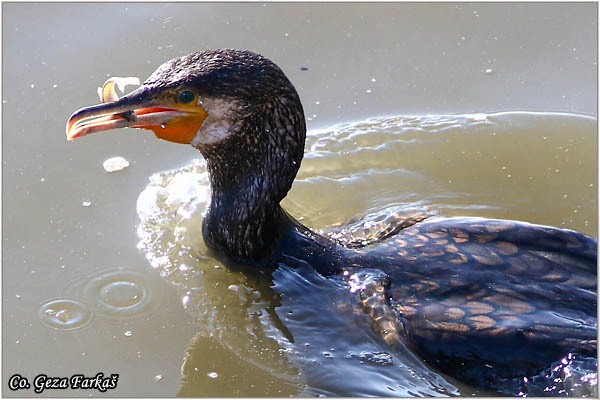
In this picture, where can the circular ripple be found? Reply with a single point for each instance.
(118, 292)
(121, 295)
(65, 314)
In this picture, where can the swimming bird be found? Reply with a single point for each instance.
(483, 300)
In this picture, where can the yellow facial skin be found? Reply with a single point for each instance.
(172, 114)
(178, 129)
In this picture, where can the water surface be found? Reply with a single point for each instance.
(387, 90)
(310, 331)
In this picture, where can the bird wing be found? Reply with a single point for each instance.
(471, 292)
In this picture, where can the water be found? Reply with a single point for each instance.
(119, 292)
(309, 330)
(70, 229)
(64, 314)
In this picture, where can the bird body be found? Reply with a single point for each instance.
(468, 294)
(480, 299)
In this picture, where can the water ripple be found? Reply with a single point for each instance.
(118, 292)
(65, 314)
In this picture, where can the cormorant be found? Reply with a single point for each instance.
(483, 300)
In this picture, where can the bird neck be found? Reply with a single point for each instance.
(241, 227)
(264, 234)
(251, 171)
(244, 218)
(245, 221)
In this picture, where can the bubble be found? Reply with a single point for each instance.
(213, 375)
(64, 314)
(381, 358)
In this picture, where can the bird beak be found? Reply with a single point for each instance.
(138, 109)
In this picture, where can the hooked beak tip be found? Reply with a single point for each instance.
(101, 117)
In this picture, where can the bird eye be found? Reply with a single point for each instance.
(186, 96)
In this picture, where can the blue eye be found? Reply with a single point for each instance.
(185, 96)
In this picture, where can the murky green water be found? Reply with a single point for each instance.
(94, 281)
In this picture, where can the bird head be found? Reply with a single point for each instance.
(236, 107)
(243, 114)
